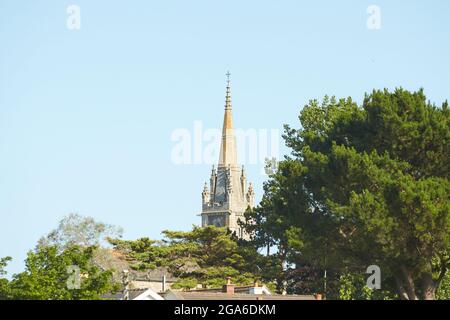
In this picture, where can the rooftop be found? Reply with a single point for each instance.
(204, 295)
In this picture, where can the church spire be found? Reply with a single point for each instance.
(224, 204)
(228, 153)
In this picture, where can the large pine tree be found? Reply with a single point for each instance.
(365, 185)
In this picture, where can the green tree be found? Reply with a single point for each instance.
(444, 290)
(84, 231)
(68, 275)
(4, 283)
(75, 229)
(352, 286)
(365, 185)
(201, 256)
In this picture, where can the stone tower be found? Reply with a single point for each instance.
(227, 197)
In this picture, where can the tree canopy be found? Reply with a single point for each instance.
(365, 185)
(75, 229)
(4, 283)
(203, 256)
(64, 265)
(49, 275)
(53, 275)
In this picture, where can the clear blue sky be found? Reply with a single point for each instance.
(86, 116)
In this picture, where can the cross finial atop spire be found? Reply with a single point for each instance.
(228, 94)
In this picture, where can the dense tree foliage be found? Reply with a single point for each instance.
(364, 185)
(203, 256)
(67, 275)
(64, 265)
(4, 283)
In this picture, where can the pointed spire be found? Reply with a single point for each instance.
(205, 194)
(250, 195)
(228, 153)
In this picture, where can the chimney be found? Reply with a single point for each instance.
(256, 289)
(228, 288)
